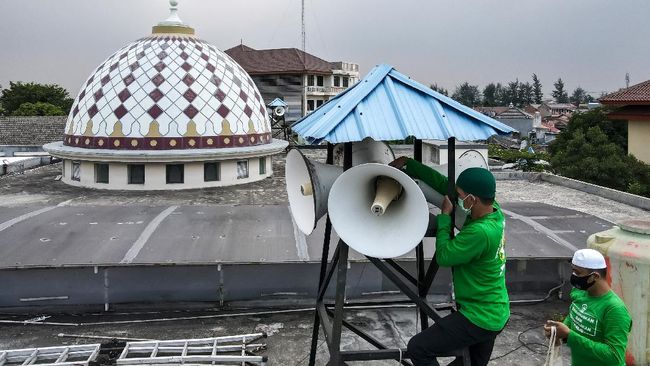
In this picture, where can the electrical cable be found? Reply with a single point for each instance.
(523, 344)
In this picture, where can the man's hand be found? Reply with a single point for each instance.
(399, 162)
(447, 207)
(562, 331)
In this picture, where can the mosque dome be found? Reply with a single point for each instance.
(168, 111)
(169, 90)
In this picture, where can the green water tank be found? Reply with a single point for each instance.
(626, 248)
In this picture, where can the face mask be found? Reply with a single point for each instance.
(461, 205)
(580, 282)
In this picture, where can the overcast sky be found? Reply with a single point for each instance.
(591, 43)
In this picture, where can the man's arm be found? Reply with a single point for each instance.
(467, 245)
(611, 351)
(426, 174)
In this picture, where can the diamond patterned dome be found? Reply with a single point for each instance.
(168, 91)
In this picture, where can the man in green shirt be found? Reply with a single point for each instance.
(598, 323)
(477, 257)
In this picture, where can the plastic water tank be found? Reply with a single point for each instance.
(626, 248)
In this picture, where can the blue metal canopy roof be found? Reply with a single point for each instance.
(277, 102)
(387, 105)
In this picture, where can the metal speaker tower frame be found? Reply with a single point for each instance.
(414, 287)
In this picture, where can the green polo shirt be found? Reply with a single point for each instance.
(599, 329)
(477, 256)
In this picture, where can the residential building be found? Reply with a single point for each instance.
(514, 117)
(302, 80)
(550, 109)
(632, 105)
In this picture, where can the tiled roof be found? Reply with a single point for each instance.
(636, 94)
(561, 106)
(278, 61)
(31, 130)
(495, 110)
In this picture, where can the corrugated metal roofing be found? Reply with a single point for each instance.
(277, 102)
(387, 105)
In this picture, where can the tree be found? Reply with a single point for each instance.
(559, 94)
(501, 95)
(512, 93)
(594, 150)
(526, 94)
(467, 94)
(38, 109)
(490, 95)
(537, 90)
(579, 96)
(19, 93)
(439, 89)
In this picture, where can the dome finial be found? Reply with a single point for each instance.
(173, 18)
(173, 24)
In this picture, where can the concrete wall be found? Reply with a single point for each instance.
(638, 136)
(10, 150)
(10, 165)
(523, 125)
(156, 175)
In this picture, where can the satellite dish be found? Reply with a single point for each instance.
(279, 111)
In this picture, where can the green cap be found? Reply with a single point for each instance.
(477, 181)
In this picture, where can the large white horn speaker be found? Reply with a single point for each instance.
(373, 216)
(365, 151)
(308, 186)
(468, 159)
(436, 199)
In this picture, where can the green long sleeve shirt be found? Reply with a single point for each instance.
(599, 329)
(476, 254)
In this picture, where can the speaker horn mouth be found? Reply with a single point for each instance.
(307, 189)
(387, 191)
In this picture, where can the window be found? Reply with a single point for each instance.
(76, 171)
(310, 105)
(262, 165)
(175, 173)
(63, 165)
(345, 82)
(242, 169)
(135, 173)
(211, 172)
(310, 80)
(319, 80)
(337, 81)
(101, 173)
(319, 103)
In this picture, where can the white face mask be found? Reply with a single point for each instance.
(461, 205)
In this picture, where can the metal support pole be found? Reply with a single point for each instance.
(341, 278)
(451, 179)
(419, 252)
(323, 269)
(408, 291)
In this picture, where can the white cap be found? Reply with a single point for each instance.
(589, 258)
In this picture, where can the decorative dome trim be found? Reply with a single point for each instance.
(166, 143)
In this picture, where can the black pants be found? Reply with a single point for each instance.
(448, 334)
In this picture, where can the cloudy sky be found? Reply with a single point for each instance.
(591, 43)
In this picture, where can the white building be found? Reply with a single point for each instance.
(168, 111)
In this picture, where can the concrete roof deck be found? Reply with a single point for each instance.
(48, 223)
(289, 333)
